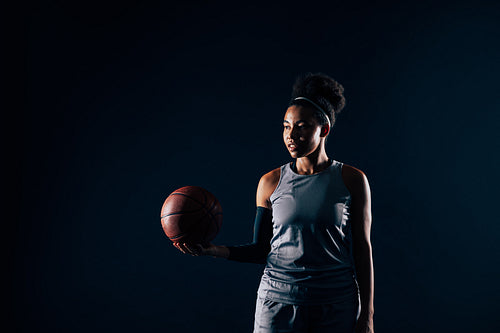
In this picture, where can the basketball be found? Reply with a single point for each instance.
(192, 215)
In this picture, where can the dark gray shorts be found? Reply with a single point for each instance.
(274, 317)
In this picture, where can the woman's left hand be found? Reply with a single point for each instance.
(364, 325)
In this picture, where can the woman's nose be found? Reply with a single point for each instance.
(293, 134)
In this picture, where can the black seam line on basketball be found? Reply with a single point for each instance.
(203, 206)
(217, 224)
(183, 212)
(205, 233)
(177, 236)
(190, 197)
(210, 215)
(214, 220)
(214, 203)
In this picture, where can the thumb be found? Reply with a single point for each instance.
(205, 249)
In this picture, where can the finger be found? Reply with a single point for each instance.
(192, 249)
(186, 248)
(182, 248)
(177, 245)
(200, 249)
(204, 249)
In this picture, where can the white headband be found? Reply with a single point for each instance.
(317, 107)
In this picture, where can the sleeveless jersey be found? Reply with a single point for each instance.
(310, 261)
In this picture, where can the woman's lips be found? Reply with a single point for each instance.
(292, 147)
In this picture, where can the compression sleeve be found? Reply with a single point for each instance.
(257, 251)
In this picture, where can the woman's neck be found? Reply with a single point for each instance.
(313, 163)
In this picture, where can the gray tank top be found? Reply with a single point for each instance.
(310, 261)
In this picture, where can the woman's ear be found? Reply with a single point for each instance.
(325, 129)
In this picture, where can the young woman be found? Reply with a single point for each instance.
(312, 227)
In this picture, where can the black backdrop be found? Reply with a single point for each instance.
(125, 102)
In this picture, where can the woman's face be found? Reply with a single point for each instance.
(301, 131)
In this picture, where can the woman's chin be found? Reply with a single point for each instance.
(296, 155)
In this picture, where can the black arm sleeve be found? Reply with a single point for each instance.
(257, 251)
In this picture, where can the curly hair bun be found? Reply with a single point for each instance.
(322, 89)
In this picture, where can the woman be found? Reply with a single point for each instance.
(312, 227)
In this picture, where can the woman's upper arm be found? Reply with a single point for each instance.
(360, 210)
(266, 187)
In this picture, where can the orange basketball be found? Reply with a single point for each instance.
(192, 215)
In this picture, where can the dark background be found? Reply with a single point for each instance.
(123, 103)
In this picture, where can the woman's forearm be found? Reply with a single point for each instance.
(256, 251)
(219, 251)
(364, 271)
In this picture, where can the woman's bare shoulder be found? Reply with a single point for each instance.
(354, 179)
(267, 185)
(272, 177)
(350, 171)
